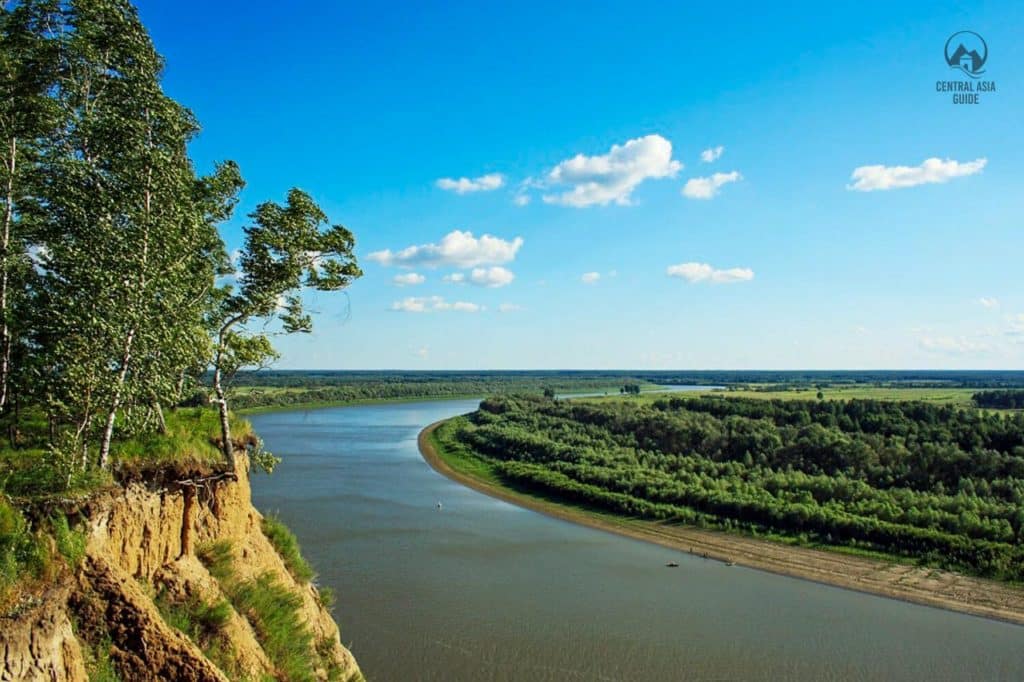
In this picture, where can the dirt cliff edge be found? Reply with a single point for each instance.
(142, 562)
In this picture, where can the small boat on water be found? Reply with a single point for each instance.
(730, 563)
(672, 564)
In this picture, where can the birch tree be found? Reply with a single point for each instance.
(287, 249)
(27, 61)
(132, 254)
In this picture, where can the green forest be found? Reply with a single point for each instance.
(1001, 400)
(936, 484)
(284, 389)
(119, 299)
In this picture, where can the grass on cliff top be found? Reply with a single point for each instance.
(192, 434)
(36, 482)
(32, 471)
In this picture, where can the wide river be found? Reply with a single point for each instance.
(482, 590)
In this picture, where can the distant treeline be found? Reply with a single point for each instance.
(935, 483)
(320, 389)
(1006, 400)
(319, 378)
(778, 379)
(813, 378)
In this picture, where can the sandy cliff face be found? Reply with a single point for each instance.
(41, 644)
(142, 543)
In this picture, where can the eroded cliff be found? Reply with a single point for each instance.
(178, 582)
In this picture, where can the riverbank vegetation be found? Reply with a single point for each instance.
(936, 484)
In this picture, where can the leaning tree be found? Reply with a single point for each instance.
(287, 249)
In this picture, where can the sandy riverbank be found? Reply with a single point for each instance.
(927, 586)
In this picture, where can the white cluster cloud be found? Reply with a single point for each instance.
(431, 304)
(492, 277)
(612, 177)
(959, 345)
(712, 154)
(707, 188)
(509, 307)
(408, 279)
(990, 303)
(933, 170)
(1016, 325)
(456, 249)
(484, 183)
(590, 277)
(702, 272)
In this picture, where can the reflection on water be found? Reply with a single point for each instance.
(483, 590)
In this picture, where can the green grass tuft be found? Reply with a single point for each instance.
(217, 557)
(204, 624)
(273, 611)
(327, 597)
(287, 545)
(24, 553)
(98, 666)
(70, 543)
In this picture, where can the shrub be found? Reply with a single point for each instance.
(70, 543)
(23, 553)
(98, 666)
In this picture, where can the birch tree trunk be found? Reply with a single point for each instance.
(225, 426)
(5, 246)
(115, 404)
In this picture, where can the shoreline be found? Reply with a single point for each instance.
(918, 585)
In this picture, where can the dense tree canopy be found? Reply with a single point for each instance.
(1004, 399)
(117, 294)
(933, 482)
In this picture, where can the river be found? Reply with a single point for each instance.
(483, 590)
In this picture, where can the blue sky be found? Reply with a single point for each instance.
(368, 106)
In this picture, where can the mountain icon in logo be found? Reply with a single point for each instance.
(967, 51)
